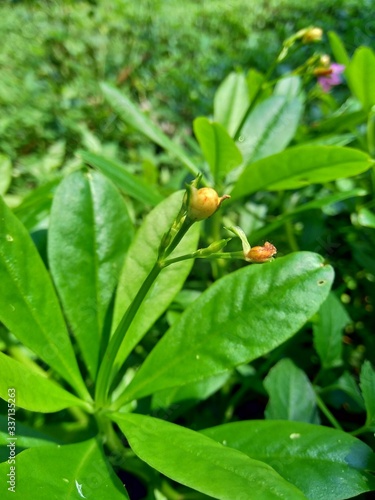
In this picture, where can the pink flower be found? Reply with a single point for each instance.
(329, 77)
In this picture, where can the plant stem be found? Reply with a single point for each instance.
(361, 430)
(257, 94)
(79, 415)
(291, 236)
(186, 225)
(104, 375)
(327, 413)
(196, 255)
(169, 492)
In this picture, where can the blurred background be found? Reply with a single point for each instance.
(169, 56)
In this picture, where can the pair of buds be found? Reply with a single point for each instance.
(204, 202)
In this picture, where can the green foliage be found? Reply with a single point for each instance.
(361, 76)
(29, 306)
(368, 391)
(300, 166)
(328, 332)
(241, 304)
(291, 394)
(86, 263)
(270, 127)
(223, 473)
(120, 312)
(231, 101)
(303, 454)
(219, 150)
(138, 264)
(168, 56)
(39, 393)
(78, 469)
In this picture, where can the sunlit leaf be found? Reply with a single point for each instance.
(310, 456)
(361, 75)
(201, 463)
(71, 471)
(90, 231)
(129, 183)
(328, 331)
(131, 115)
(300, 166)
(368, 392)
(220, 151)
(239, 318)
(231, 101)
(139, 261)
(292, 396)
(270, 127)
(28, 303)
(31, 390)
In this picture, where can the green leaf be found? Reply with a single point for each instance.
(312, 457)
(239, 318)
(129, 183)
(72, 471)
(331, 140)
(269, 128)
(292, 396)
(33, 391)
(289, 87)
(219, 150)
(310, 205)
(27, 437)
(361, 76)
(347, 384)
(200, 463)
(28, 304)
(36, 205)
(231, 102)
(346, 118)
(131, 115)
(328, 329)
(139, 261)
(5, 173)
(90, 231)
(189, 394)
(254, 80)
(366, 218)
(300, 166)
(338, 49)
(367, 382)
(371, 132)
(53, 158)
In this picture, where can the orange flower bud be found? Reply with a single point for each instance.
(320, 71)
(261, 254)
(203, 203)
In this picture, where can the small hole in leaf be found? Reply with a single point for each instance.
(321, 282)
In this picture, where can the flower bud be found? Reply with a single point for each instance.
(203, 203)
(322, 71)
(325, 60)
(312, 34)
(261, 254)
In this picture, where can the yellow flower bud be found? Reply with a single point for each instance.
(261, 254)
(312, 34)
(203, 203)
(325, 60)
